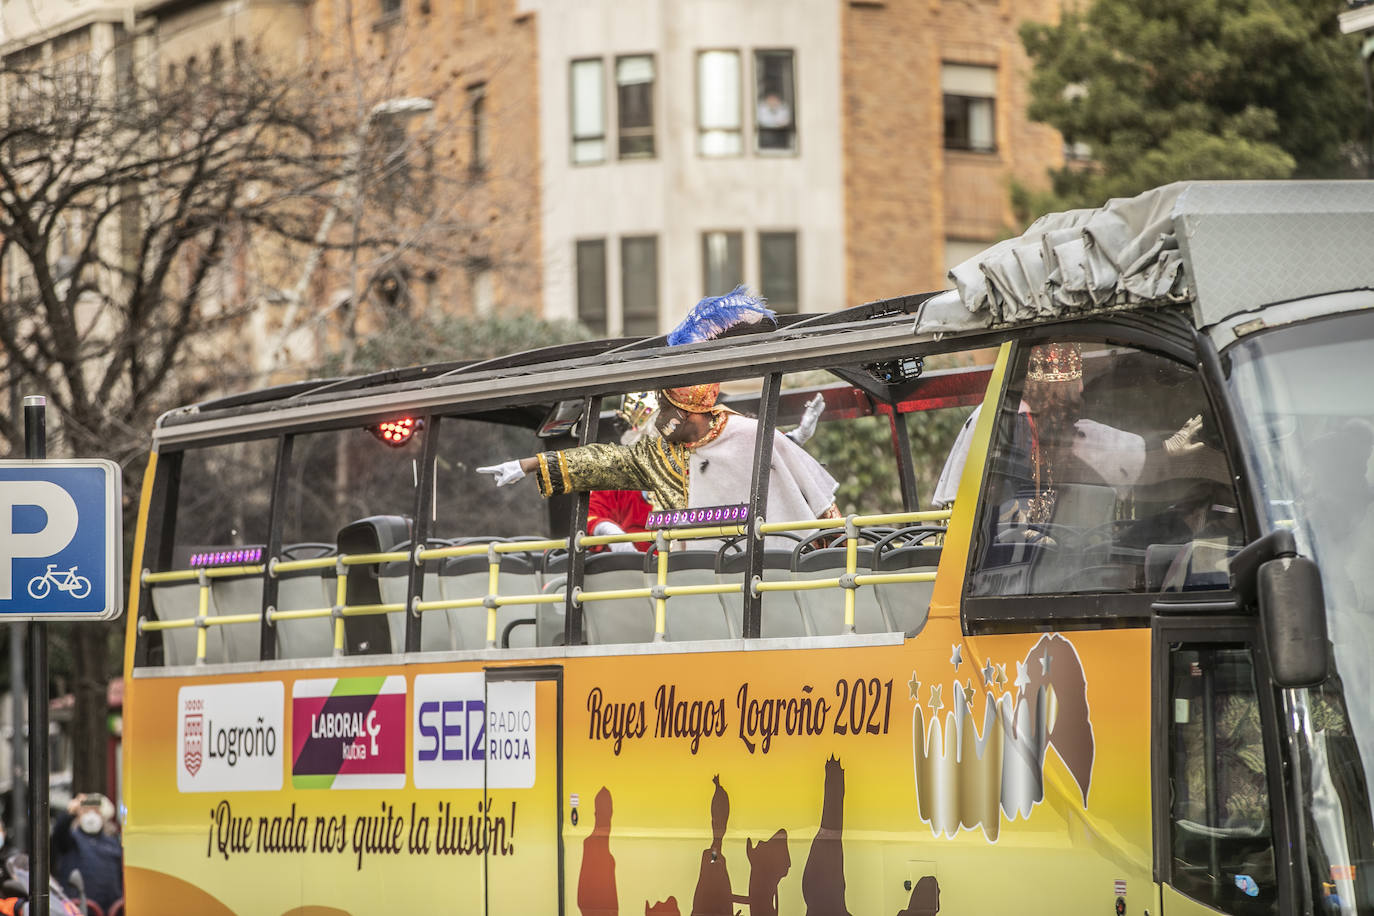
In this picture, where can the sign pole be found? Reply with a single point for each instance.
(36, 447)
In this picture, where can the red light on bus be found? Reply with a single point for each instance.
(396, 432)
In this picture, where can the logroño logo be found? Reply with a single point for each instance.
(192, 731)
(230, 737)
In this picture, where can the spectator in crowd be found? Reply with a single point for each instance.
(85, 838)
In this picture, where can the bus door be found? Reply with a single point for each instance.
(524, 824)
(1217, 793)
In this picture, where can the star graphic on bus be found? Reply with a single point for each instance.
(956, 656)
(935, 703)
(913, 686)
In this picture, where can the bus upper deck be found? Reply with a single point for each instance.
(1076, 500)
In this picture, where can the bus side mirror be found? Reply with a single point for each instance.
(1293, 621)
(1269, 575)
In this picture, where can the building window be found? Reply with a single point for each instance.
(778, 270)
(722, 262)
(477, 117)
(970, 107)
(389, 9)
(957, 251)
(634, 94)
(482, 287)
(591, 285)
(639, 284)
(775, 96)
(718, 103)
(588, 112)
(387, 174)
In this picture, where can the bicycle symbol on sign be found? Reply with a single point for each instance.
(68, 581)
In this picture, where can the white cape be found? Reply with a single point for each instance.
(798, 486)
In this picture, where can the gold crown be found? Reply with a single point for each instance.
(636, 407)
(967, 778)
(693, 398)
(1055, 362)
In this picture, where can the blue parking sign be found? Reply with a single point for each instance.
(61, 540)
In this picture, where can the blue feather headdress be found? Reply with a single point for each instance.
(714, 315)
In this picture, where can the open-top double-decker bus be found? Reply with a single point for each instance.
(1126, 670)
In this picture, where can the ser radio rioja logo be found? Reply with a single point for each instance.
(348, 733)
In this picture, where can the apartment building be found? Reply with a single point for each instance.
(824, 152)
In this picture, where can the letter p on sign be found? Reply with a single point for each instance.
(61, 537)
(59, 524)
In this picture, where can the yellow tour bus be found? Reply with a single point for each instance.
(1108, 651)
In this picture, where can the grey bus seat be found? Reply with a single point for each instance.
(825, 607)
(520, 575)
(394, 580)
(181, 601)
(1083, 505)
(618, 620)
(303, 590)
(907, 604)
(368, 634)
(781, 614)
(234, 596)
(1199, 564)
(469, 577)
(693, 616)
(1158, 559)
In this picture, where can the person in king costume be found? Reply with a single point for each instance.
(703, 453)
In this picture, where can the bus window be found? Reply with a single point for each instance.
(466, 505)
(223, 498)
(341, 476)
(347, 491)
(468, 510)
(219, 499)
(1105, 475)
(1220, 836)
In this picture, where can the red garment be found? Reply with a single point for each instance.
(626, 508)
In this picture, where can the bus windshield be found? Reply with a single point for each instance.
(1306, 392)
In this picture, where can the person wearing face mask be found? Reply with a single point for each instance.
(85, 838)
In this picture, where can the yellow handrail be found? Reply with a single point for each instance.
(283, 566)
(660, 592)
(214, 572)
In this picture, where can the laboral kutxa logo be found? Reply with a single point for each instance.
(349, 733)
(230, 737)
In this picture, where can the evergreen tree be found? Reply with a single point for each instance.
(1189, 89)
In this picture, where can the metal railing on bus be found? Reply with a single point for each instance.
(848, 527)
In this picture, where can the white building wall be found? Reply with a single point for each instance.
(677, 195)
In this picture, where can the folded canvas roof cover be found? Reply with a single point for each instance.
(1226, 247)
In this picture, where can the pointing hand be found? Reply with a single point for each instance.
(506, 473)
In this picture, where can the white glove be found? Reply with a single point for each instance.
(605, 528)
(506, 473)
(1181, 442)
(807, 428)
